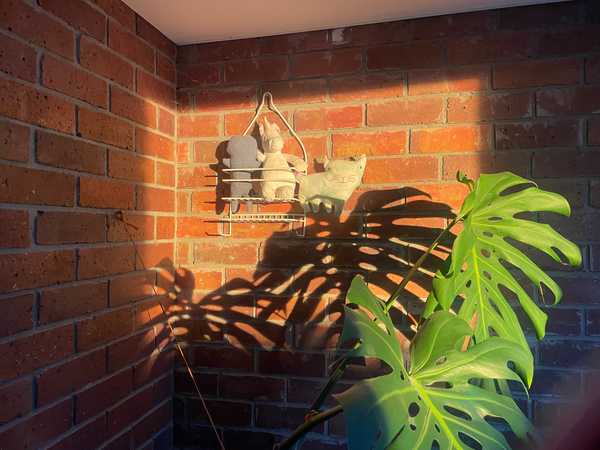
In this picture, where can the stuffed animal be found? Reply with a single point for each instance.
(333, 187)
(244, 154)
(278, 180)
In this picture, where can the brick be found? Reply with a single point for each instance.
(92, 435)
(127, 105)
(538, 16)
(217, 99)
(36, 269)
(281, 417)
(406, 112)
(208, 383)
(68, 153)
(593, 137)
(153, 144)
(129, 166)
(198, 279)
(166, 122)
(118, 11)
(203, 201)
(393, 170)
(27, 104)
(130, 46)
(39, 429)
(382, 85)
(155, 89)
(37, 28)
(102, 395)
(155, 255)
(378, 33)
(452, 79)
(496, 46)
(329, 118)
(451, 139)
(165, 228)
(584, 100)
(380, 143)
(219, 51)
(64, 303)
(166, 69)
(165, 174)
(579, 291)
(334, 62)
(454, 25)
(563, 133)
(195, 227)
(69, 228)
(592, 69)
(16, 398)
(139, 227)
(131, 287)
(105, 128)
(98, 262)
(197, 74)
(294, 42)
(558, 164)
(18, 315)
(126, 413)
(569, 354)
(581, 226)
(474, 165)
(595, 194)
(152, 424)
(224, 413)
(97, 59)
(416, 55)
(130, 350)
(14, 142)
(224, 358)
(198, 126)
(153, 199)
(479, 108)
(105, 193)
(271, 68)
(24, 355)
(14, 229)
(211, 253)
(152, 35)
(300, 91)
(251, 439)
(575, 191)
(103, 328)
(291, 363)
(568, 41)
(79, 15)
(152, 368)
(70, 376)
(18, 60)
(537, 73)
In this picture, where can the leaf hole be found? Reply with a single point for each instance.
(469, 441)
(487, 275)
(437, 428)
(458, 413)
(485, 252)
(413, 427)
(413, 409)
(488, 234)
(495, 219)
(435, 445)
(441, 360)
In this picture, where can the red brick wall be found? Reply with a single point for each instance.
(515, 89)
(87, 128)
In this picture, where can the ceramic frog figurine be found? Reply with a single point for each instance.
(279, 180)
(332, 187)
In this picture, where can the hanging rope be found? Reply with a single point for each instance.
(119, 216)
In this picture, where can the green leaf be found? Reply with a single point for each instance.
(432, 401)
(478, 271)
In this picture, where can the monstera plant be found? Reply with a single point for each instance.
(450, 390)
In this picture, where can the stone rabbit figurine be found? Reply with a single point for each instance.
(243, 154)
(333, 187)
(278, 179)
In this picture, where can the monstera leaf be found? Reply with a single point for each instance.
(430, 403)
(478, 270)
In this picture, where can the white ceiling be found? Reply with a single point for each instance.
(194, 21)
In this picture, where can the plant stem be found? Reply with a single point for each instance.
(307, 426)
(333, 378)
(390, 301)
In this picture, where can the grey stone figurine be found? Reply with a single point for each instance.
(243, 154)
